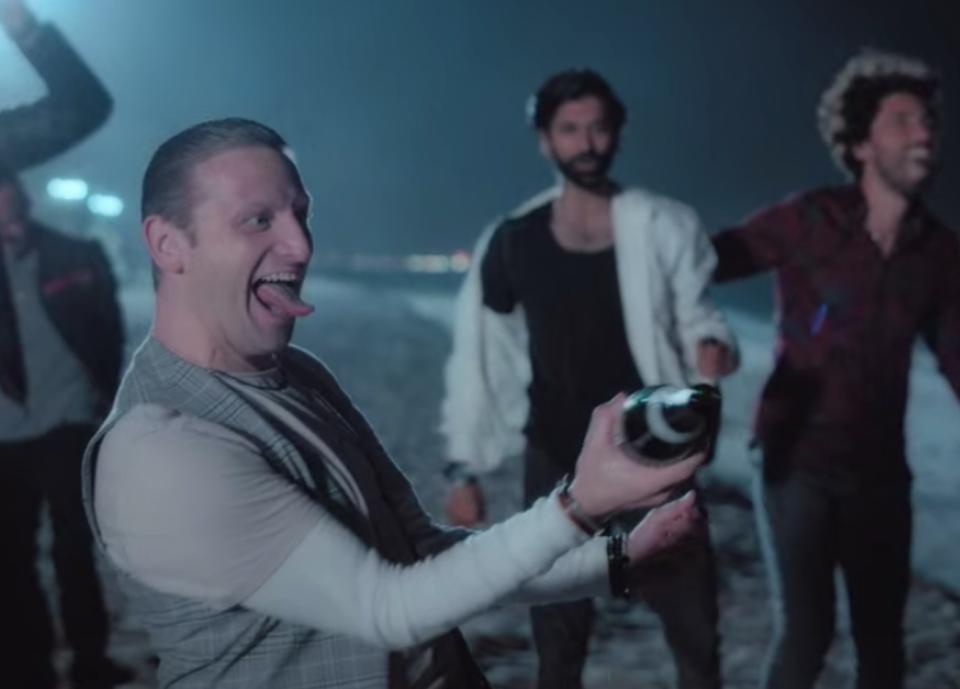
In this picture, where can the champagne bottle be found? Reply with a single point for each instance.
(664, 424)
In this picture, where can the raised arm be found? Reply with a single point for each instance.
(76, 104)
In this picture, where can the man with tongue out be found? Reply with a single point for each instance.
(262, 535)
(278, 292)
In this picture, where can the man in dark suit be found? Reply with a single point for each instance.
(61, 351)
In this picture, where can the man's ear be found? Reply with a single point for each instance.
(166, 243)
(862, 151)
(545, 149)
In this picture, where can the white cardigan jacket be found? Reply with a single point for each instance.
(665, 263)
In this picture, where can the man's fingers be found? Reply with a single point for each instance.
(465, 506)
(14, 15)
(685, 501)
(655, 501)
(604, 420)
(655, 484)
(676, 509)
(460, 516)
(677, 473)
(664, 528)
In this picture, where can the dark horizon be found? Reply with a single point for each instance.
(408, 120)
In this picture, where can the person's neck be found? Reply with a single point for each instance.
(182, 333)
(886, 210)
(582, 219)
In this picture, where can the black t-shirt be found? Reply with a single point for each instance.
(578, 343)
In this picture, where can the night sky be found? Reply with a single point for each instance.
(408, 115)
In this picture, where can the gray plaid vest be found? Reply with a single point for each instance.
(201, 646)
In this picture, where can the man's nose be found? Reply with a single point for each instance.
(922, 133)
(296, 242)
(593, 144)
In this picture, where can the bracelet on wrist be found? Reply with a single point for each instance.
(575, 511)
(618, 565)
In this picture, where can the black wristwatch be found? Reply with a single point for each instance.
(457, 473)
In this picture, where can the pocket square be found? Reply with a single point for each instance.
(61, 282)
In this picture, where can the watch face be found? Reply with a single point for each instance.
(456, 473)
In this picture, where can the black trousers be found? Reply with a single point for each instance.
(31, 472)
(810, 525)
(683, 594)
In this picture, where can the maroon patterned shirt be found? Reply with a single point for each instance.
(847, 321)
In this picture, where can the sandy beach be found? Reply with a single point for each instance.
(390, 357)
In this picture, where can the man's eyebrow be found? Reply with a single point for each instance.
(302, 202)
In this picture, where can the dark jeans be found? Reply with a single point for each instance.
(809, 525)
(682, 594)
(47, 468)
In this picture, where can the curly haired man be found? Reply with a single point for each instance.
(860, 271)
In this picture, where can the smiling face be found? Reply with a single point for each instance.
(233, 277)
(902, 145)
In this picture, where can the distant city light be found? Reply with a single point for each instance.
(67, 189)
(369, 263)
(457, 262)
(460, 262)
(106, 205)
(428, 263)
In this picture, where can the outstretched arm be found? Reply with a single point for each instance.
(942, 328)
(76, 105)
(190, 508)
(764, 241)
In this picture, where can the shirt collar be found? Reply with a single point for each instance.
(914, 223)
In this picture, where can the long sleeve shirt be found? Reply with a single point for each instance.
(847, 319)
(191, 508)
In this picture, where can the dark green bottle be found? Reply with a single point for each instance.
(663, 424)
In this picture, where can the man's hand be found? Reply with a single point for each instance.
(465, 504)
(663, 527)
(714, 359)
(16, 18)
(609, 481)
